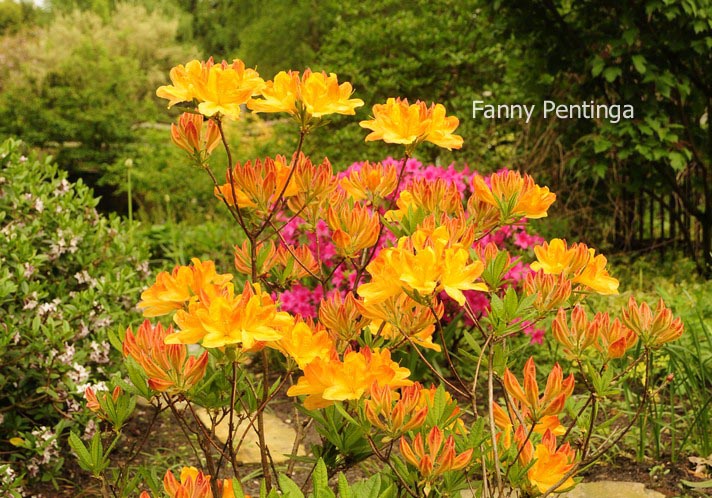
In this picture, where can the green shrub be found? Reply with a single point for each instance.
(67, 275)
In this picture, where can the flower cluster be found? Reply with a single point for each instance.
(218, 88)
(578, 263)
(331, 379)
(530, 414)
(193, 484)
(398, 122)
(313, 95)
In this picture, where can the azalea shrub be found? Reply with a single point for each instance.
(396, 261)
(67, 274)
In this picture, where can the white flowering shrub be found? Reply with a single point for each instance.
(65, 272)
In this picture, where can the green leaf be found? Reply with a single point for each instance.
(611, 73)
(597, 66)
(320, 480)
(97, 452)
(639, 63)
(81, 451)
(289, 488)
(697, 485)
(344, 488)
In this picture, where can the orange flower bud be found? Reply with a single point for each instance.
(653, 330)
(401, 317)
(370, 182)
(515, 196)
(399, 418)
(354, 228)
(436, 456)
(555, 394)
(189, 135)
(580, 336)
(167, 366)
(342, 316)
(552, 291)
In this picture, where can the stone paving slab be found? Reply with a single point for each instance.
(601, 489)
(279, 437)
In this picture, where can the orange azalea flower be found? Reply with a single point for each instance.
(342, 316)
(436, 455)
(395, 419)
(167, 366)
(370, 182)
(193, 484)
(550, 463)
(173, 290)
(654, 330)
(304, 342)
(326, 381)
(189, 136)
(312, 95)
(397, 122)
(400, 316)
(515, 196)
(354, 228)
(246, 320)
(218, 88)
(577, 262)
(555, 394)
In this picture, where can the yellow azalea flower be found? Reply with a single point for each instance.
(246, 320)
(172, 291)
(326, 381)
(422, 263)
(279, 95)
(550, 464)
(458, 275)
(385, 277)
(578, 262)
(302, 343)
(399, 122)
(514, 195)
(314, 94)
(595, 277)
(183, 79)
(322, 95)
(226, 88)
(218, 88)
